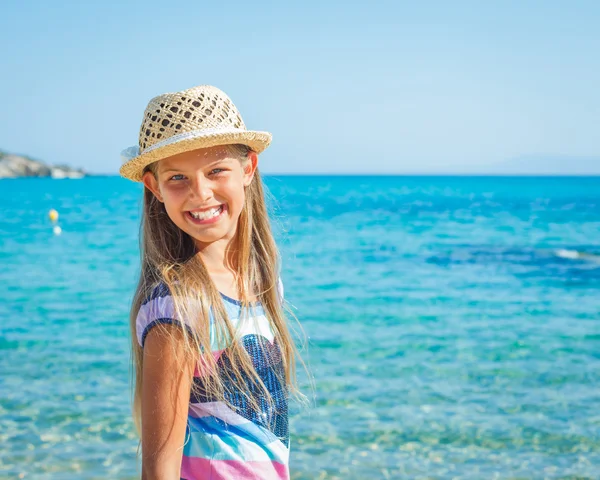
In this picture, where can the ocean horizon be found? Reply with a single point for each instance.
(451, 320)
(376, 175)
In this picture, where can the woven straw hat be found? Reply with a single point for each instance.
(198, 117)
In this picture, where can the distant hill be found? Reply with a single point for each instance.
(14, 166)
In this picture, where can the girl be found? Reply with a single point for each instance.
(214, 359)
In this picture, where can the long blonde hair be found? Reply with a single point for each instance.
(169, 256)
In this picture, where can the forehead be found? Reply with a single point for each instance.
(196, 158)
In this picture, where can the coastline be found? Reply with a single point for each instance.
(21, 166)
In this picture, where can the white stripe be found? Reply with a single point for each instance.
(280, 288)
(160, 307)
(130, 153)
(255, 325)
(219, 410)
(192, 134)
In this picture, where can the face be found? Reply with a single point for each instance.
(203, 191)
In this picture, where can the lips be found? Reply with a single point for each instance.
(206, 215)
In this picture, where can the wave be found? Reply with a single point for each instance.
(577, 255)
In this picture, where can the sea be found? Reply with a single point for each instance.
(451, 326)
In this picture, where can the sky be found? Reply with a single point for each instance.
(344, 87)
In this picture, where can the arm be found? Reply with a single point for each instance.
(166, 383)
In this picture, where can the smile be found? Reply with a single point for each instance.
(206, 216)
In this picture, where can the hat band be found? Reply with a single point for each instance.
(129, 154)
(134, 151)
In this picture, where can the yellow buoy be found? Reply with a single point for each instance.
(53, 214)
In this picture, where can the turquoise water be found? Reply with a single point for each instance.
(453, 326)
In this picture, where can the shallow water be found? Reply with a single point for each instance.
(452, 322)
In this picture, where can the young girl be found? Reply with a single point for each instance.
(214, 359)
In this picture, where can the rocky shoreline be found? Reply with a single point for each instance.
(16, 166)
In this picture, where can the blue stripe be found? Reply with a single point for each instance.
(160, 291)
(169, 321)
(249, 431)
(205, 444)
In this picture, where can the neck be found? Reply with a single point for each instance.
(220, 260)
(219, 257)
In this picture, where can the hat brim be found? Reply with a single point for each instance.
(133, 169)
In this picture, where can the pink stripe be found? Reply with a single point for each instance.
(194, 468)
(205, 366)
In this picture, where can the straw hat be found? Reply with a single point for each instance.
(198, 117)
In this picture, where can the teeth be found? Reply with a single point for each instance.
(208, 214)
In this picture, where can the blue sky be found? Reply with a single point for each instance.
(345, 87)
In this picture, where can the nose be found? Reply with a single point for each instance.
(200, 188)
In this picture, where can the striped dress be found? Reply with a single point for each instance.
(225, 443)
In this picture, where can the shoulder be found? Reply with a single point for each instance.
(157, 308)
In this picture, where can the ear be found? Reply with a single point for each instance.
(250, 168)
(152, 184)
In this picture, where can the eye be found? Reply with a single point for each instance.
(178, 176)
(217, 170)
